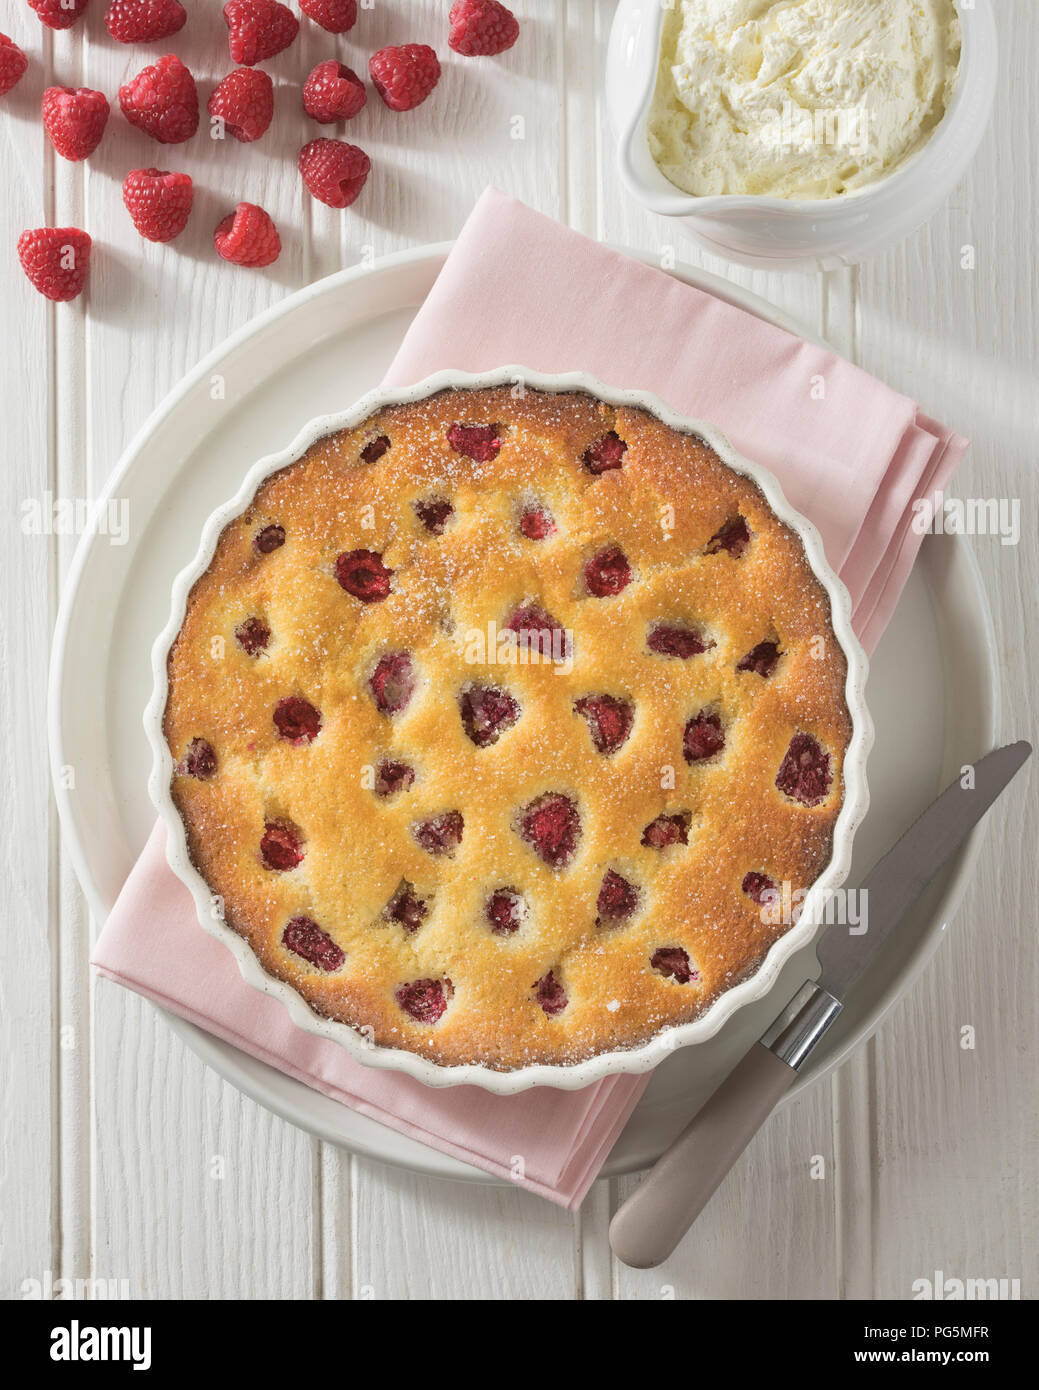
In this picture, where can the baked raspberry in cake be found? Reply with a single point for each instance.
(499, 721)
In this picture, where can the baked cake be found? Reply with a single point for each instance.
(497, 721)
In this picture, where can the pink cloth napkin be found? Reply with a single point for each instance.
(850, 453)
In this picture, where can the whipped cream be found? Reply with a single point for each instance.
(799, 98)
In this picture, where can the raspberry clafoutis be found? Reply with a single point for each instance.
(496, 720)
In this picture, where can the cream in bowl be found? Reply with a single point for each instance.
(833, 128)
(810, 100)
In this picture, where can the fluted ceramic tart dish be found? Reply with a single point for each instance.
(509, 729)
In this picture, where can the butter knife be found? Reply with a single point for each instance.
(657, 1215)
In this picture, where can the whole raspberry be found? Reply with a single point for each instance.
(59, 14)
(13, 63)
(143, 21)
(296, 719)
(605, 454)
(162, 100)
(804, 774)
(551, 994)
(74, 118)
(617, 899)
(258, 29)
(392, 683)
(56, 260)
(199, 760)
(158, 202)
(481, 443)
(333, 171)
(244, 101)
(337, 16)
(609, 720)
(247, 236)
(404, 76)
(551, 825)
(424, 1000)
(481, 28)
(280, 847)
(306, 940)
(673, 961)
(361, 572)
(332, 93)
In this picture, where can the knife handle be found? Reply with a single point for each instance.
(657, 1215)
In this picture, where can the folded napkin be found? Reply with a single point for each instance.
(850, 453)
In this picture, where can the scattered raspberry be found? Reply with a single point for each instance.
(280, 847)
(296, 720)
(673, 961)
(672, 639)
(609, 720)
(617, 899)
(56, 260)
(441, 835)
(404, 76)
(269, 538)
(540, 634)
(607, 573)
(406, 908)
(393, 777)
(337, 16)
(74, 118)
(244, 101)
(605, 454)
(59, 14)
(761, 659)
(199, 760)
(481, 443)
(804, 774)
(252, 636)
(333, 171)
(424, 1000)
(758, 887)
(392, 682)
(481, 28)
(306, 939)
(258, 29)
(703, 737)
(551, 826)
(159, 203)
(374, 449)
(667, 830)
(248, 236)
(505, 911)
(536, 523)
(13, 63)
(733, 537)
(162, 100)
(362, 573)
(142, 21)
(550, 994)
(332, 93)
(434, 513)
(486, 713)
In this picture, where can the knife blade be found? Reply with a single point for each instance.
(898, 879)
(649, 1225)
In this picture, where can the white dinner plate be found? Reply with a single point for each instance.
(933, 688)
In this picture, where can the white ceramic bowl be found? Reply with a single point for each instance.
(783, 233)
(647, 1055)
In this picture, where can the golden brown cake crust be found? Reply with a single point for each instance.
(662, 506)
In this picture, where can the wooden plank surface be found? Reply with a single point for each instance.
(122, 1156)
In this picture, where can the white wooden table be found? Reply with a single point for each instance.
(123, 1157)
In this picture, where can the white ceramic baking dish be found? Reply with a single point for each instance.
(648, 1054)
(781, 232)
